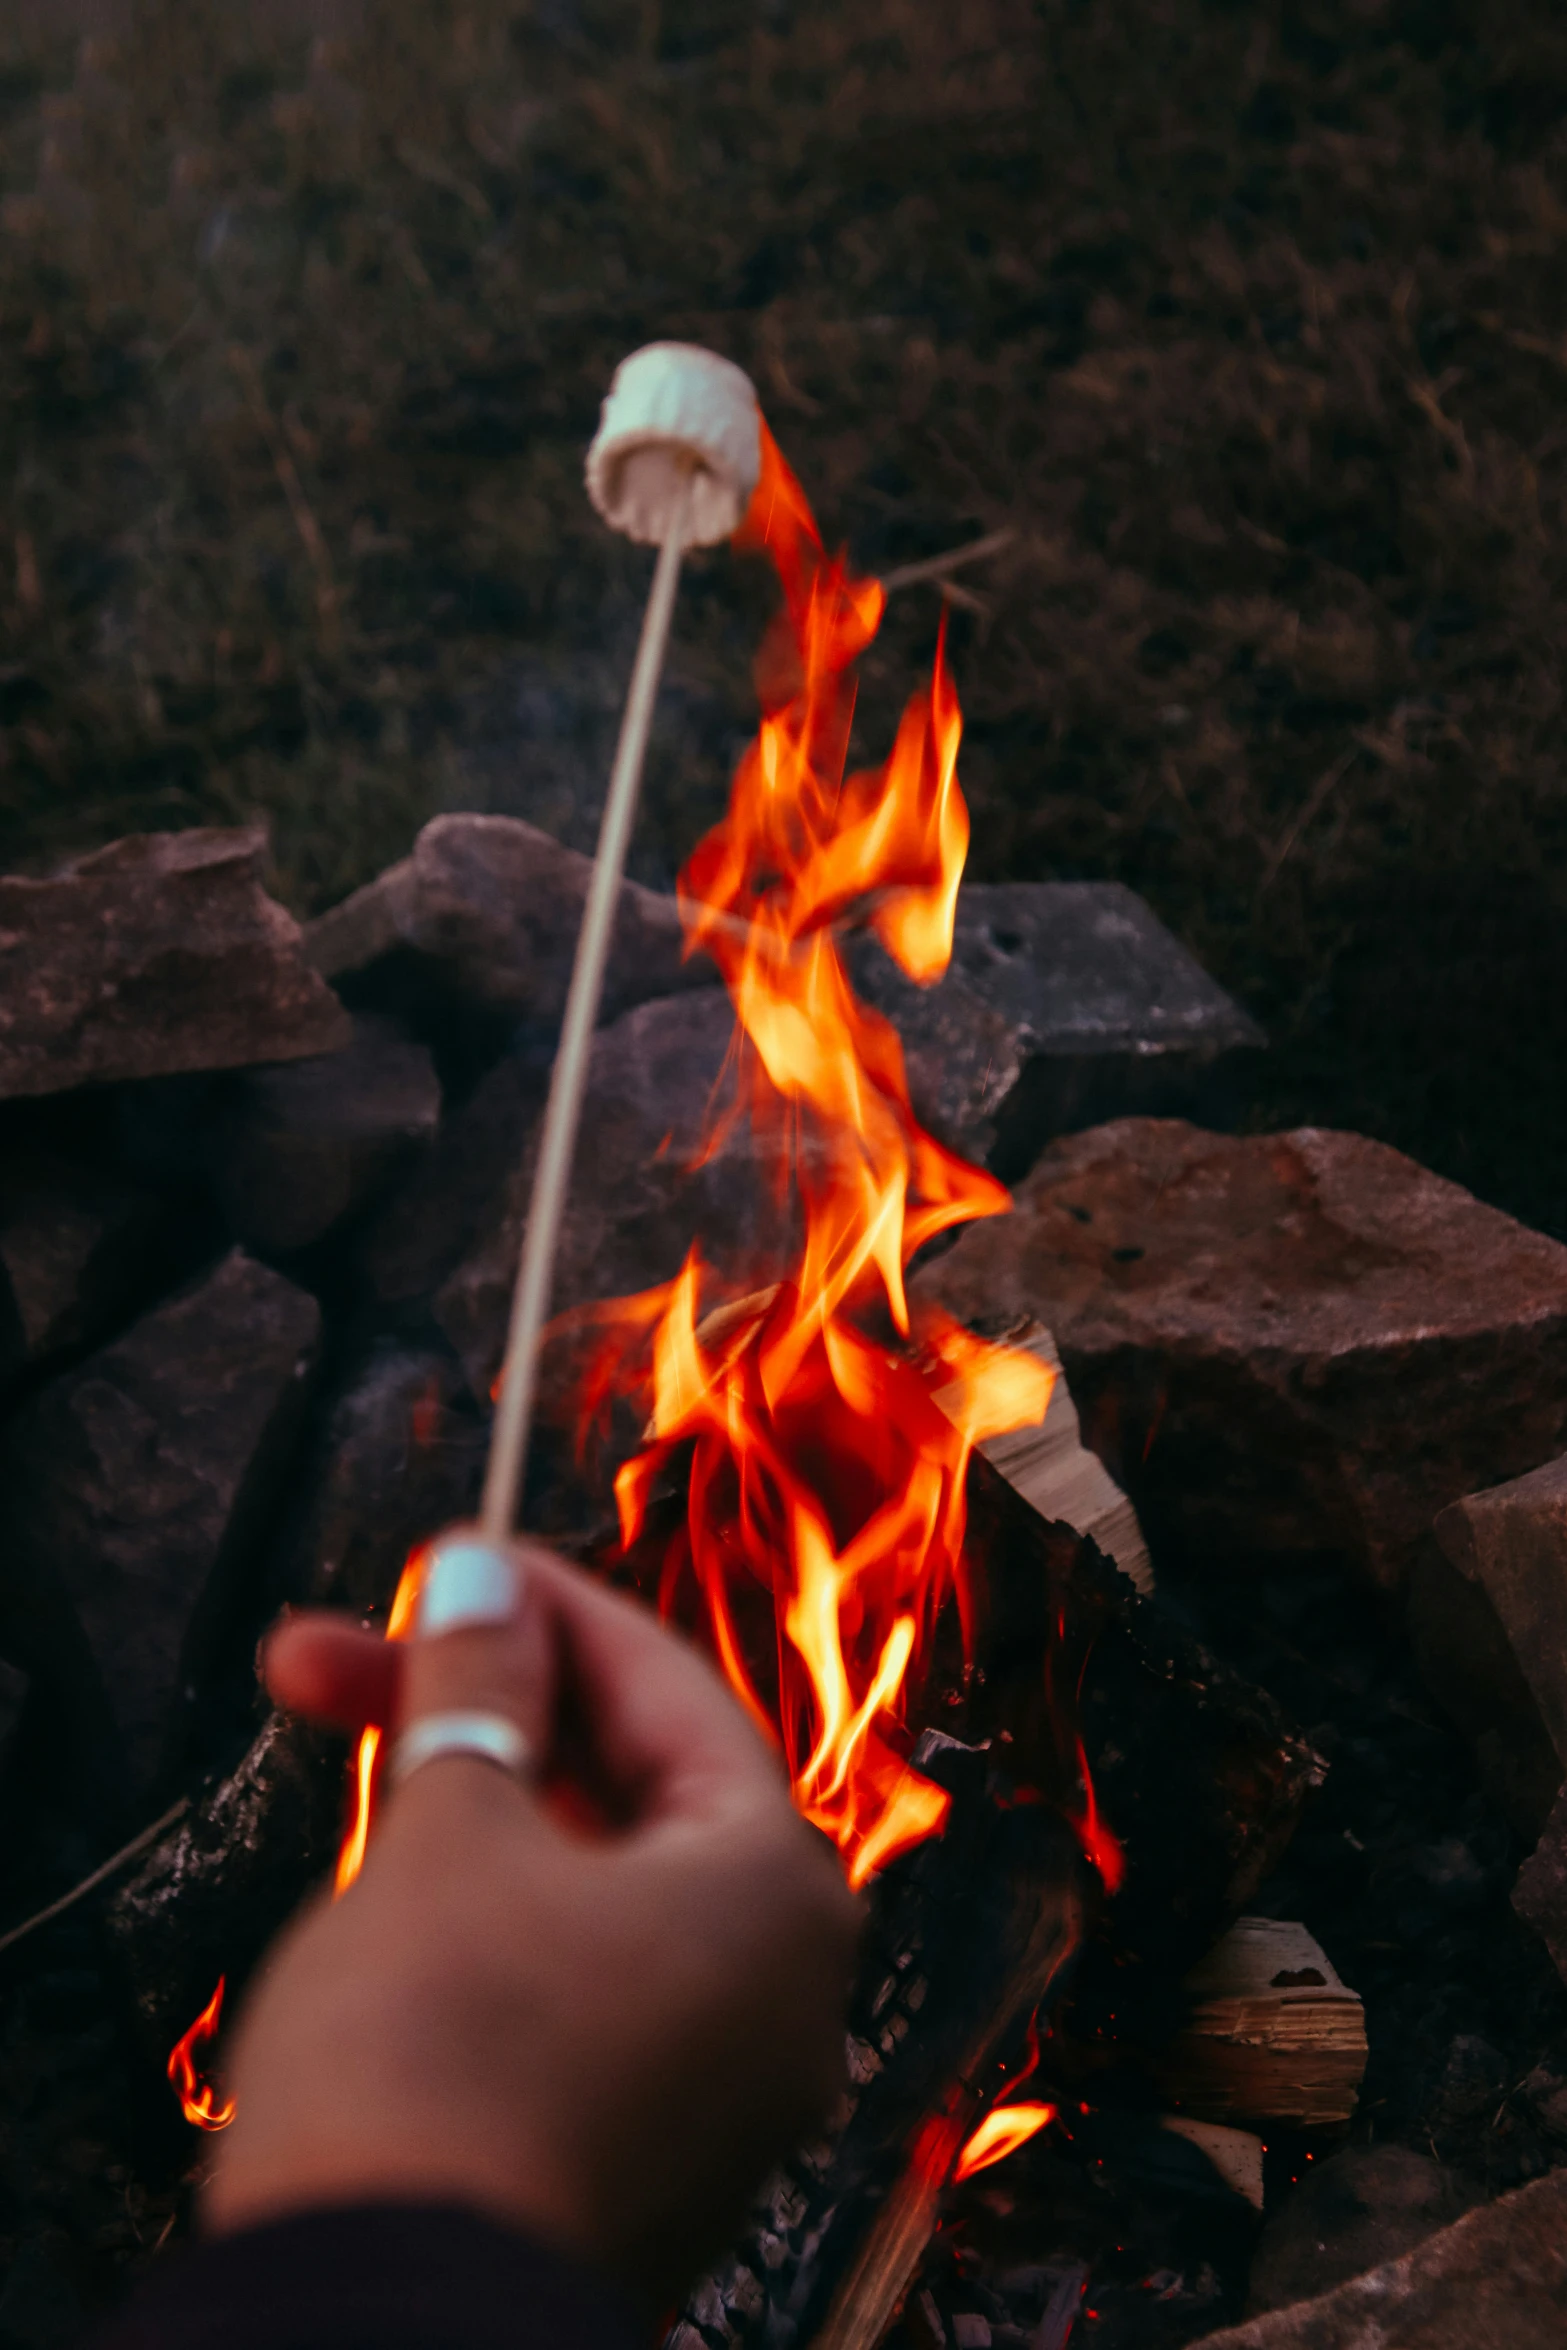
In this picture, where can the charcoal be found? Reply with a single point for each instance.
(161, 952)
(210, 1896)
(965, 1936)
(141, 1486)
(1065, 1003)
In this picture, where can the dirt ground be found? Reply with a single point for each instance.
(1247, 319)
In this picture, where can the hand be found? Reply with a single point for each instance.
(601, 2035)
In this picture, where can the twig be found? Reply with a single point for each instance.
(938, 566)
(117, 1860)
(305, 523)
(1315, 800)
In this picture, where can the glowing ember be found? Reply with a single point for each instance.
(199, 2099)
(1004, 2129)
(827, 1459)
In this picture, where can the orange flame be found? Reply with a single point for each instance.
(827, 1462)
(351, 1853)
(199, 2100)
(1004, 2129)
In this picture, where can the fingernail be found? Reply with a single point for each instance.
(467, 1584)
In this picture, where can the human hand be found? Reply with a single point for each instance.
(602, 2036)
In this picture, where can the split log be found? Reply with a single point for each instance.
(1057, 1475)
(1274, 2034)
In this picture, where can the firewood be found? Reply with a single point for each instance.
(1056, 1474)
(1274, 2034)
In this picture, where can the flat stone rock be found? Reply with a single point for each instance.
(78, 1251)
(434, 1216)
(159, 953)
(304, 1146)
(1494, 2280)
(1511, 1543)
(1540, 1894)
(399, 1457)
(487, 909)
(1294, 1344)
(140, 1485)
(1065, 1003)
(1354, 2212)
(636, 1201)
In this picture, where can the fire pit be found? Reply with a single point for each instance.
(1154, 1856)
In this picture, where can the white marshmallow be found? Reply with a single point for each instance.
(672, 405)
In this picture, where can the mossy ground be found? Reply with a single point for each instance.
(1247, 319)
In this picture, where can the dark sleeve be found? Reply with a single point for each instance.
(373, 2277)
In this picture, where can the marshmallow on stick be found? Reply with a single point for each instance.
(673, 465)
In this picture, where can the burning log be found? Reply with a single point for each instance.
(967, 1936)
(207, 1900)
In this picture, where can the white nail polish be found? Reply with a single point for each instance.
(465, 1584)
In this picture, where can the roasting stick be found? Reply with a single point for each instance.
(673, 464)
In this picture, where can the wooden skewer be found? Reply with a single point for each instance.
(535, 1272)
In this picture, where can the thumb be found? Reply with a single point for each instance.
(481, 1642)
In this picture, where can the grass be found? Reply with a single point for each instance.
(1248, 319)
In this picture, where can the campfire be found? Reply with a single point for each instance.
(801, 1496)
(834, 1436)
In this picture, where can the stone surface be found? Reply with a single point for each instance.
(159, 953)
(434, 1216)
(1495, 2280)
(140, 1484)
(1065, 1003)
(397, 1459)
(78, 1251)
(1294, 1344)
(211, 1894)
(1511, 1544)
(1540, 1894)
(636, 1202)
(487, 909)
(1361, 2208)
(303, 1146)
(1473, 1671)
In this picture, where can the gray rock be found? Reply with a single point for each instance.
(1540, 1894)
(436, 1214)
(159, 953)
(399, 1459)
(1300, 1343)
(1510, 1546)
(1365, 2206)
(141, 1484)
(303, 1146)
(637, 1202)
(1495, 2280)
(1066, 1003)
(78, 1251)
(487, 909)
